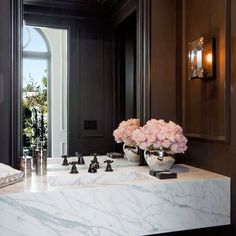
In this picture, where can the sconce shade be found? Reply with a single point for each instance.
(201, 59)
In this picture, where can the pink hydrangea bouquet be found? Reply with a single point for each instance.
(160, 135)
(124, 133)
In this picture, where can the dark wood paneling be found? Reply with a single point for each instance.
(113, 9)
(163, 51)
(91, 83)
(130, 86)
(5, 87)
(10, 18)
(142, 10)
(90, 91)
(178, 66)
(205, 111)
(125, 69)
(221, 157)
(78, 8)
(123, 9)
(85, 4)
(144, 52)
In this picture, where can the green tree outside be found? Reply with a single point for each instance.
(35, 110)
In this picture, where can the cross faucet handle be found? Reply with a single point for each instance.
(92, 167)
(108, 167)
(95, 160)
(73, 168)
(65, 161)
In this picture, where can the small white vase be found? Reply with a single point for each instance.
(158, 163)
(131, 153)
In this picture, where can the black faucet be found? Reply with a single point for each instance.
(92, 167)
(65, 161)
(80, 158)
(73, 168)
(108, 167)
(95, 160)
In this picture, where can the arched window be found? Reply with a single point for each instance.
(36, 68)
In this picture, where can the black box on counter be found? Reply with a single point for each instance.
(163, 174)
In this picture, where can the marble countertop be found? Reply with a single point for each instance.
(40, 183)
(196, 199)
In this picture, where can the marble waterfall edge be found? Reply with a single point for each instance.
(134, 209)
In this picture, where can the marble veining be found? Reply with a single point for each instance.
(119, 176)
(138, 208)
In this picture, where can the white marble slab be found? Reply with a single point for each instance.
(196, 199)
(118, 176)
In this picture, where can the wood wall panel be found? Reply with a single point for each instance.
(90, 91)
(214, 156)
(5, 86)
(163, 51)
(10, 23)
(91, 82)
(205, 110)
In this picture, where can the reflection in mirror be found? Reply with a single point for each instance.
(103, 77)
(44, 90)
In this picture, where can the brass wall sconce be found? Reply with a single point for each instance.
(201, 59)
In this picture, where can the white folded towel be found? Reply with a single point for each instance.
(9, 175)
(6, 170)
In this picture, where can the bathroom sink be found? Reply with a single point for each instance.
(102, 178)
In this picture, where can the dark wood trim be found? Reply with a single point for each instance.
(122, 10)
(139, 77)
(109, 4)
(16, 72)
(143, 64)
(146, 60)
(143, 61)
(178, 68)
(202, 137)
(227, 73)
(85, 8)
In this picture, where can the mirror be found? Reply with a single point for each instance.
(93, 96)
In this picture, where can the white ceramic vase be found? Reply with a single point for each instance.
(131, 153)
(157, 163)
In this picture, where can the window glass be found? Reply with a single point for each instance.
(33, 41)
(34, 70)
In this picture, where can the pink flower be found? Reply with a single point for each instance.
(125, 131)
(158, 134)
(174, 148)
(156, 145)
(166, 143)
